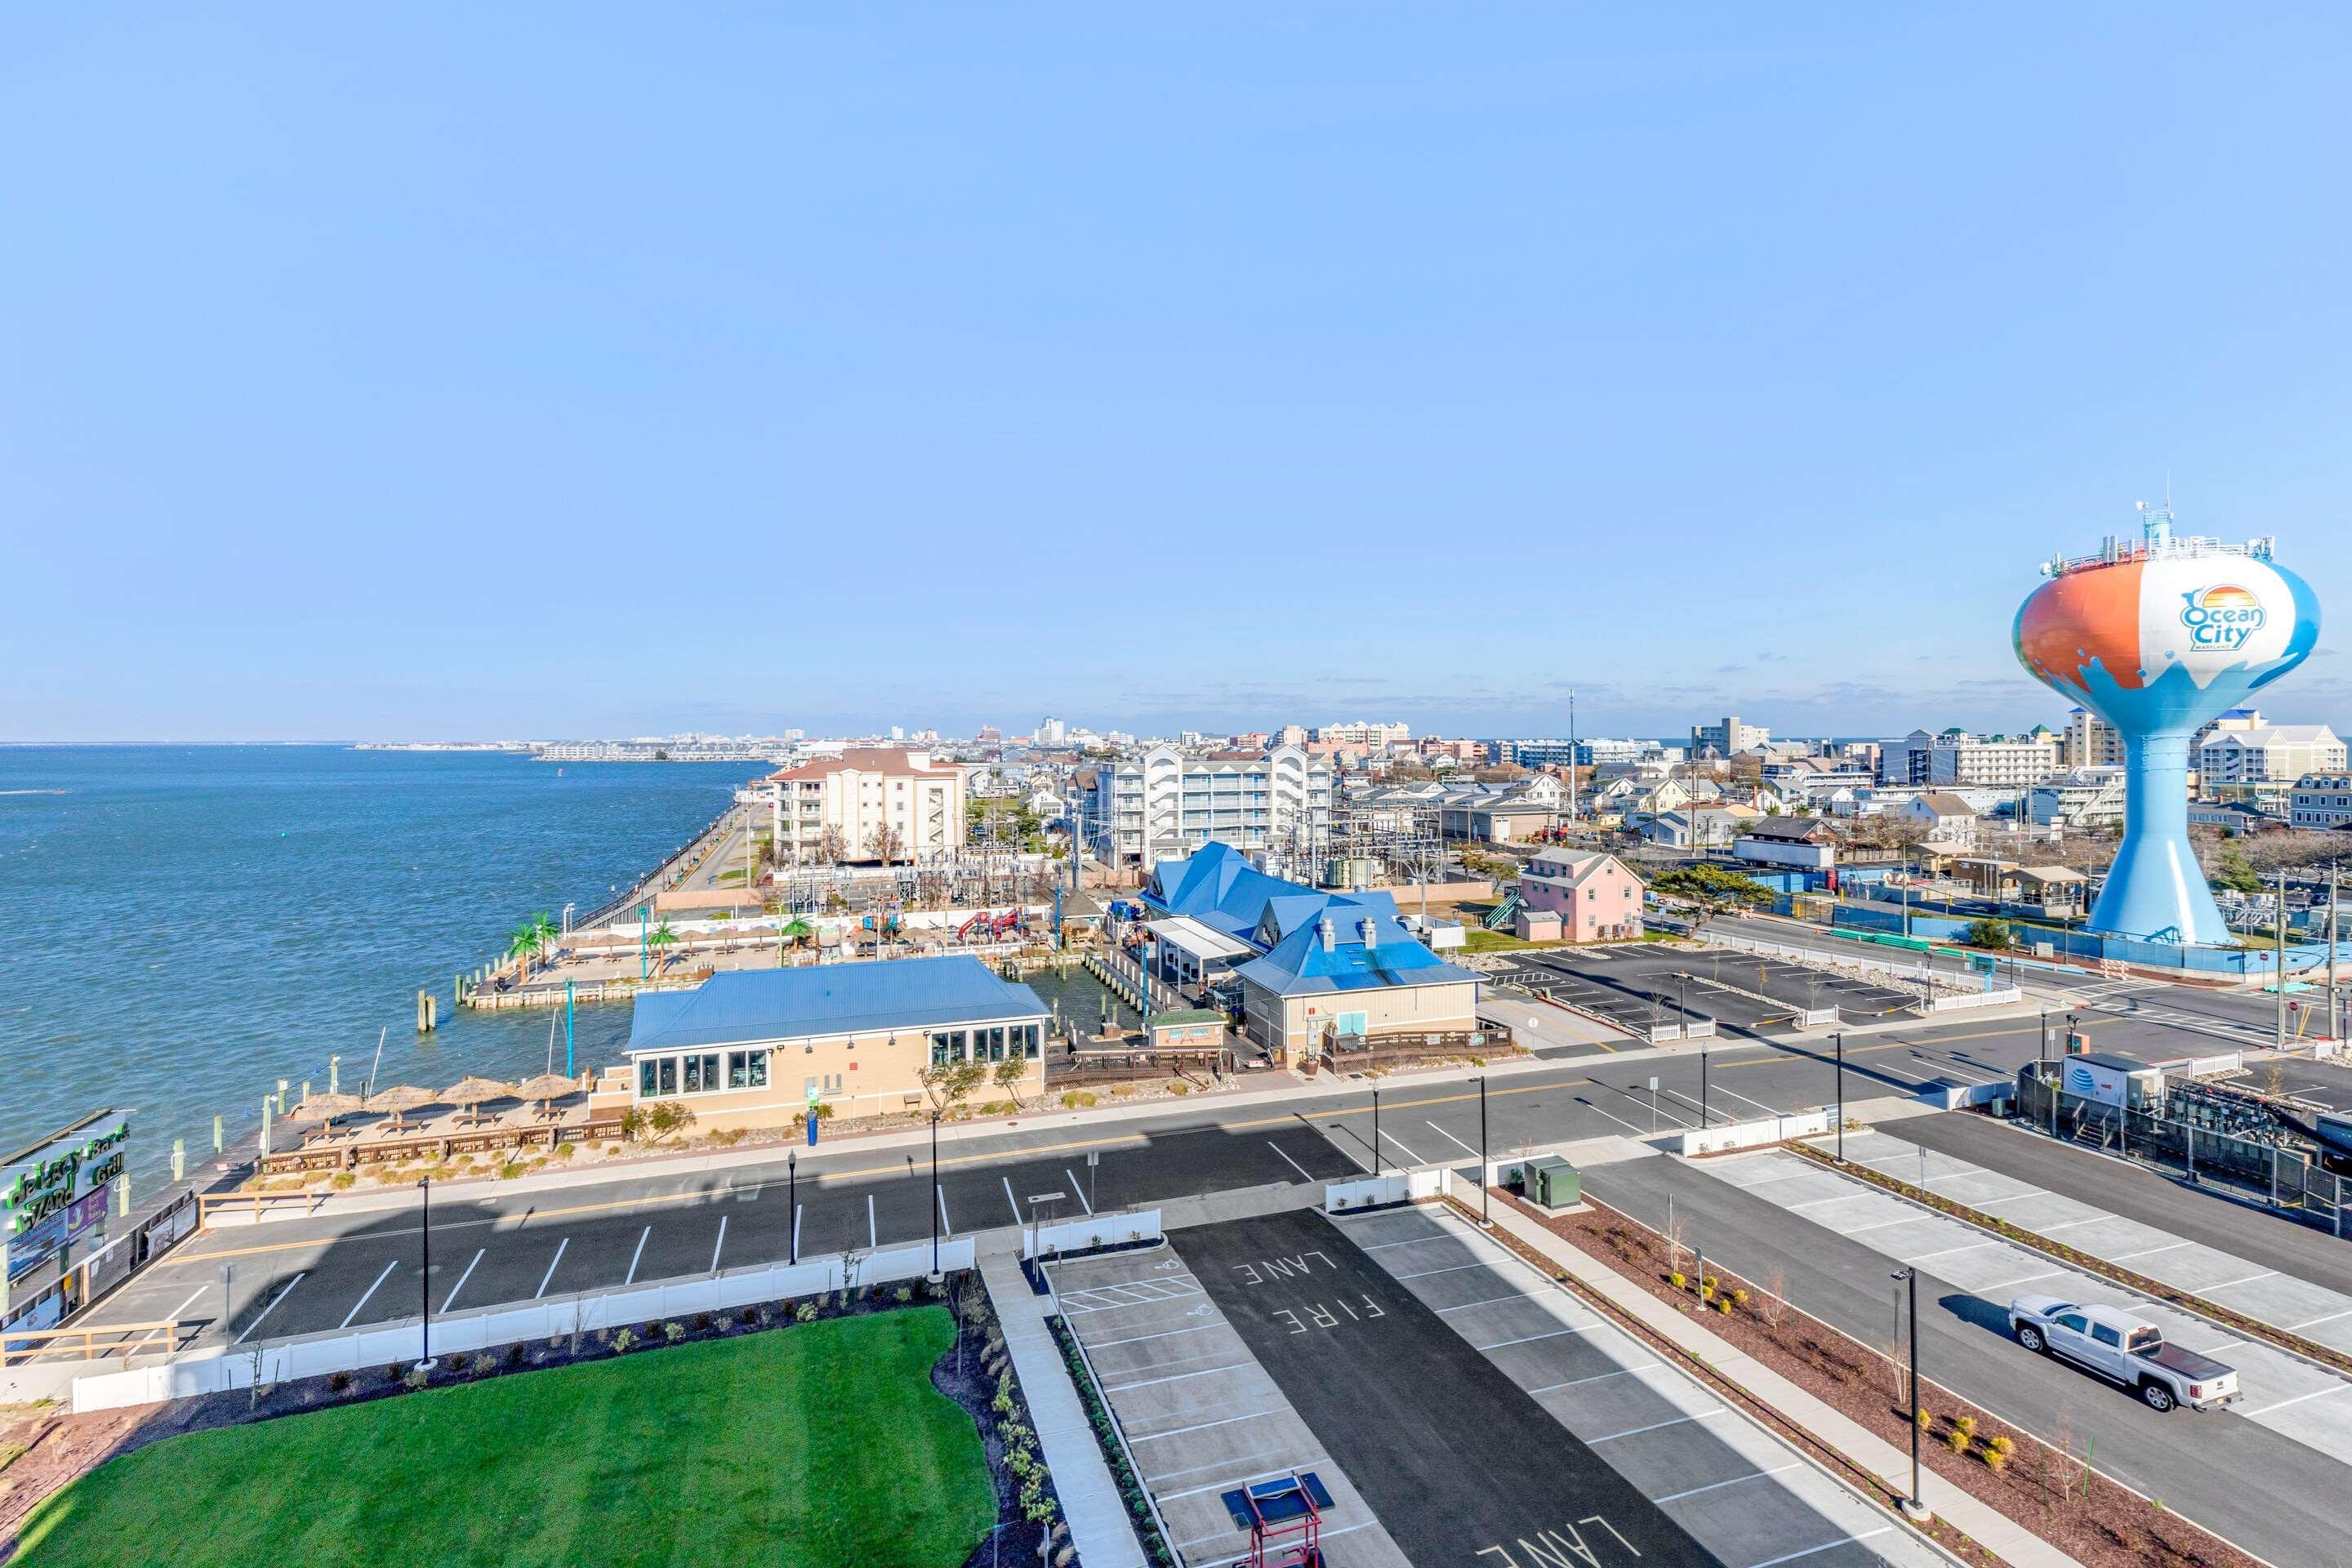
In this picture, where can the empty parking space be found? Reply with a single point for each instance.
(1636, 989)
(1459, 1462)
(1199, 1413)
(1733, 1487)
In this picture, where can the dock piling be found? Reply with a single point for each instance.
(179, 1159)
(427, 1007)
(217, 1146)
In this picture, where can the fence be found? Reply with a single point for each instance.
(1874, 967)
(311, 1355)
(1402, 1187)
(1999, 996)
(1091, 1231)
(2282, 1177)
(1753, 1134)
(1696, 1026)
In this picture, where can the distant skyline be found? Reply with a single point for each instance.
(457, 372)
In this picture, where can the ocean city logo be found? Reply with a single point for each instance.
(2223, 617)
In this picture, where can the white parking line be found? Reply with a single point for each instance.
(270, 1309)
(796, 1229)
(1178, 1377)
(717, 1244)
(630, 1278)
(551, 1262)
(1825, 1546)
(2151, 1252)
(1736, 1480)
(460, 1285)
(946, 1227)
(1451, 1269)
(1077, 1189)
(2293, 1327)
(1399, 1144)
(1162, 1334)
(2228, 1284)
(873, 1233)
(1618, 1119)
(366, 1293)
(2012, 1284)
(1598, 1377)
(1758, 1103)
(1947, 1251)
(1495, 1300)
(1288, 1161)
(1441, 1132)
(1203, 1426)
(173, 1316)
(2314, 1394)
(1009, 1201)
(1655, 1427)
(1530, 1339)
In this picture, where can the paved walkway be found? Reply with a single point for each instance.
(1090, 1500)
(2012, 1541)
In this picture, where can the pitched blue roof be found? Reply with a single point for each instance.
(1299, 965)
(911, 994)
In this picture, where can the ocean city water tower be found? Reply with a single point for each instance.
(2159, 636)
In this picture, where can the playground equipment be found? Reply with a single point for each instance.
(991, 926)
(1273, 1512)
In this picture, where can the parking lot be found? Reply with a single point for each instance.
(1636, 988)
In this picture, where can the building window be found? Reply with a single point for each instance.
(1029, 1041)
(995, 1043)
(939, 1049)
(702, 1073)
(747, 1069)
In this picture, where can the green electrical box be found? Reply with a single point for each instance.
(1553, 1183)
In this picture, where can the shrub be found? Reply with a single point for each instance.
(903, 1295)
(672, 1332)
(623, 1341)
(339, 1383)
(702, 1323)
(1740, 1296)
(633, 1123)
(1926, 1419)
(509, 1171)
(805, 1312)
(1723, 1305)
(485, 1363)
(1178, 1086)
(1998, 1450)
(1957, 1441)
(1078, 1100)
(1966, 1425)
(823, 1110)
(515, 1353)
(564, 1151)
(1680, 1280)
(1706, 1288)
(416, 1376)
(343, 1179)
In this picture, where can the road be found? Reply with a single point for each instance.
(2276, 1496)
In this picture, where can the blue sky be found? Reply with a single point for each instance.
(471, 371)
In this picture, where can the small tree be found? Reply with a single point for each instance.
(1009, 1075)
(886, 843)
(831, 846)
(948, 1084)
(2229, 869)
(1997, 935)
(661, 940)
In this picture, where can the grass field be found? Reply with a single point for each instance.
(813, 1445)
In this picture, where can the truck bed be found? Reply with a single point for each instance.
(2187, 1362)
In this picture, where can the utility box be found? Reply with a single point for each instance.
(1553, 1182)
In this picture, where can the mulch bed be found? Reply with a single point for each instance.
(43, 1448)
(2097, 1521)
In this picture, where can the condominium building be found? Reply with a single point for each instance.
(2321, 800)
(882, 802)
(1167, 805)
(2090, 741)
(1958, 759)
(2080, 797)
(1730, 735)
(2270, 754)
(1369, 737)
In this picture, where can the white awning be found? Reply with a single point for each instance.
(1200, 941)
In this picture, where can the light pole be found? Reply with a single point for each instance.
(936, 1275)
(1840, 1038)
(1914, 1507)
(1485, 1221)
(1379, 1168)
(793, 1201)
(1702, 1083)
(424, 1270)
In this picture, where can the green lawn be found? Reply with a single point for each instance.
(817, 1445)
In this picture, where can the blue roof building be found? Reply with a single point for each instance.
(1332, 970)
(856, 1036)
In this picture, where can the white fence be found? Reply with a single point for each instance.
(1999, 996)
(1874, 964)
(1753, 1134)
(1404, 1187)
(1696, 1029)
(215, 1370)
(1094, 1230)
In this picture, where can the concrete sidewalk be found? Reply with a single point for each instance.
(1983, 1524)
(1090, 1497)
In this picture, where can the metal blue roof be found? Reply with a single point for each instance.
(910, 994)
(1299, 964)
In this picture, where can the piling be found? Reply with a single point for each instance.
(179, 1159)
(426, 1008)
(217, 1144)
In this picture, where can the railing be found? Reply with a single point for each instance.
(37, 1344)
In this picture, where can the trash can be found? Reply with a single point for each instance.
(1553, 1182)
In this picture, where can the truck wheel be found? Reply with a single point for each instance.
(2158, 1397)
(2031, 1338)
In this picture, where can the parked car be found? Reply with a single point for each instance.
(2125, 1350)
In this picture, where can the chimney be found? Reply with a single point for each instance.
(1370, 930)
(1329, 932)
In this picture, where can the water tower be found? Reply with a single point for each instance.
(2157, 636)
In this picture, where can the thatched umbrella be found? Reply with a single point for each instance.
(399, 1099)
(546, 1087)
(327, 1107)
(470, 1091)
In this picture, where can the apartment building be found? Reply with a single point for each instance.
(1366, 737)
(1587, 896)
(882, 802)
(2321, 800)
(1959, 760)
(1728, 735)
(2079, 797)
(1167, 805)
(2272, 753)
(2090, 741)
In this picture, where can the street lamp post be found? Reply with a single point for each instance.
(424, 1270)
(1702, 1084)
(1914, 1507)
(1379, 1168)
(1840, 1038)
(793, 1201)
(936, 1275)
(1485, 1221)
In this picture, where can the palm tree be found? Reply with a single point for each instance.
(525, 943)
(662, 937)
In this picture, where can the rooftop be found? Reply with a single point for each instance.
(828, 999)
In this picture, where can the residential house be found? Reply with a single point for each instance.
(1580, 897)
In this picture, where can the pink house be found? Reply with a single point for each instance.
(1591, 897)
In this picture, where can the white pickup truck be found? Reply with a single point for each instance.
(2123, 1349)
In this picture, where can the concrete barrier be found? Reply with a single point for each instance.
(1404, 1187)
(1954, 1096)
(1728, 1135)
(1092, 1231)
(216, 1369)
